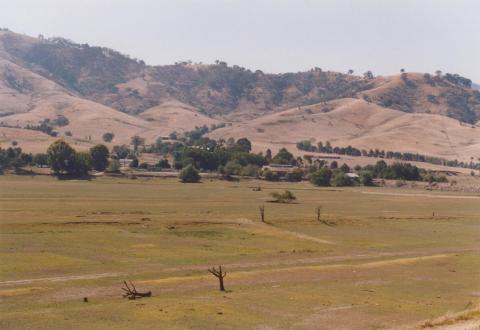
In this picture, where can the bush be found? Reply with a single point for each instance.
(113, 166)
(189, 175)
(286, 197)
(321, 177)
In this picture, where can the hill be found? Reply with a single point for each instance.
(129, 85)
(83, 91)
(362, 125)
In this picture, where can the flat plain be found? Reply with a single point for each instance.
(381, 258)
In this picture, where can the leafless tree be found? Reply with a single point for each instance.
(220, 275)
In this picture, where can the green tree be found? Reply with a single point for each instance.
(40, 159)
(244, 145)
(82, 164)
(341, 179)
(99, 154)
(345, 168)
(366, 178)
(61, 157)
(189, 174)
(321, 177)
(284, 157)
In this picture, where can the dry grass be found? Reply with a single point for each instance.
(385, 263)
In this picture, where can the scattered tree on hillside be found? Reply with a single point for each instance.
(108, 137)
(368, 75)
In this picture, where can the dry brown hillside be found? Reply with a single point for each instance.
(362, 125)
(100, 90)
(447, 95)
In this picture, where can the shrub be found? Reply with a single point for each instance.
(286, 197)
(321, 177)
(189, 175)
(113, 166)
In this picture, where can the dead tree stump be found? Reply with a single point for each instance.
(262, 213)
(220, 275)
(318, 210)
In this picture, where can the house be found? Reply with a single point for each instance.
(352, 175)
(279, 169)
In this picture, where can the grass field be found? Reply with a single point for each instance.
(389, 258)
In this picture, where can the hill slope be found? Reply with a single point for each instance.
(115, 80)
(99, 90)
(362, 125)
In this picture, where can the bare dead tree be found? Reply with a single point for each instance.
(220, 275)
(262, 213)
(132, 293)
(318, 210)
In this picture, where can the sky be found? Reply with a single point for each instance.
(383, 36)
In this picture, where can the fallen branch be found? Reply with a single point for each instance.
(132, 293)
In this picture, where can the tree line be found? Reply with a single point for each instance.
(376, 153)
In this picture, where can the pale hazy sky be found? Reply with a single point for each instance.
(272, 35)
